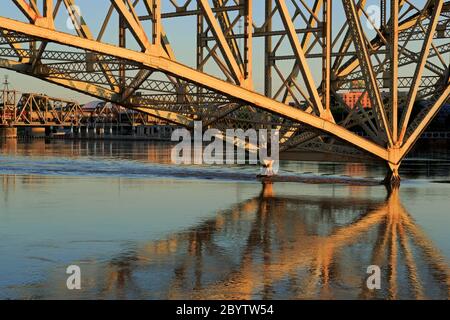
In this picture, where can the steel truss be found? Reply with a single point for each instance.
(38, 110)
(309, 57)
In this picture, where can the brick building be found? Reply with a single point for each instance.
(352, 98)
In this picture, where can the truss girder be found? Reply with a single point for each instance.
(301, 107)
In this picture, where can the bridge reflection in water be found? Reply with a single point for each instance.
(286, 247)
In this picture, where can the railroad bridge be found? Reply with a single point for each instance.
(284, 64)
(40, 113)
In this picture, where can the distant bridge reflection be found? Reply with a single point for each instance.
(286, 247)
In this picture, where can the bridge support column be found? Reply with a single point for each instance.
(393, 179)
(8, 133)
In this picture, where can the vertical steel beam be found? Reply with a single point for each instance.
(200, 41)
(327, 47)
(156, 28)
(248, 42)
(383, 13)
(122, 44)
(135, 27)
(268, 49)
(149, 5)
(393, 28)
(200, 47)
(48, 12)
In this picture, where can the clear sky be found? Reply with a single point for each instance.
(181, 33)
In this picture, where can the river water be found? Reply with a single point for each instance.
(141, 228)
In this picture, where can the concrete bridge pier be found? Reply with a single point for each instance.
(8, 132)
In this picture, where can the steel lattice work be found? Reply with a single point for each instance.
(38, 110)
(286, 64)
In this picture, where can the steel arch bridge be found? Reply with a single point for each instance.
(309, 52)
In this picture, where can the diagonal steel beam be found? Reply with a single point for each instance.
(301, 60)
(226, 24)
(222, 42)
(222, 113)
(420, 68)
(359, 40)
(31, 12)
(426, 121)
(135, 26)
(305, 43)
(138, 80)
(346, 42)
(27, 10)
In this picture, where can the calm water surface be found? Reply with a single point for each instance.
(141, 228)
